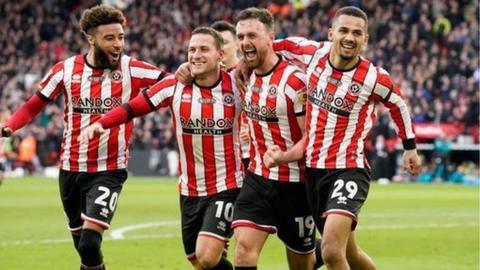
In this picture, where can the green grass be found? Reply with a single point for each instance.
(402, 226)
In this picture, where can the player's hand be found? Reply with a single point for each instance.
(5, 131)
(88, 133)
(273, 157)
(411, 161)
(242, 73)
(183, 74)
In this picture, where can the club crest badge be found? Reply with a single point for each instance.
(272, 91)
(116, 76)
(354, 89)
(228, 99)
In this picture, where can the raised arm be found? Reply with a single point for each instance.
(297, 49)
(160, 95)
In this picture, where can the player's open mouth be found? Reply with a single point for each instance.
(198, 63)
(250, 53)
(115, 56)
(348, 46)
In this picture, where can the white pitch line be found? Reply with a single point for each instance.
(119, 233)
(120, 237)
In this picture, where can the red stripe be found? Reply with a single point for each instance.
(342, 122)
(141, 64)
(95, 92)
(208, 145)
(255, 128)
(55, 69)
(76, 117)
(319, 130)
(185, 112)
(228, 144)
(274, 128)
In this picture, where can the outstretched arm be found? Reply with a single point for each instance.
(136, 107)
(24, 114)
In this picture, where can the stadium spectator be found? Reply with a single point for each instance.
(92, 173)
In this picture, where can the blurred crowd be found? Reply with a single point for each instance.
(431, 49)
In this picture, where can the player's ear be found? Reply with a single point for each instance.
(365, 40)
(271, 34)
(90, 39)
(330, 34)
(221, 53)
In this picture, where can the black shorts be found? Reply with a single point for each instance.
(246, 163)
(207, 215)
(2, 166)
(340, 191)
(276, 207)
(90, 196)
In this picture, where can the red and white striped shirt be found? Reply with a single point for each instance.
(88, 93)
(341, 105)
(272, 104)
(206, 127)
(244, 145)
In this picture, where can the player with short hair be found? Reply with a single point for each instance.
(271, 200)
(230, 61)
(204, 118)
(343, 89)
(92, 173)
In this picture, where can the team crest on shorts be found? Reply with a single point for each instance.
(228, 99)
(354, 89)
(272, 91)
(116, 76)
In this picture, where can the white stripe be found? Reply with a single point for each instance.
(404, 113)
(196, 113)
(52, 84)
(106, 92)
(85, 118)
(219, 141)
(315, 112)
(219, 237)
(126, 96)
(68, 125)
(120, 233)
(94, 220)
(254, 141)
(329, 130)
(361, 141)
(253, 223)
(285, 92)
(143, 73)
(183, 179)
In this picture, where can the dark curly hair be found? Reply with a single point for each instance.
(100, 15)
